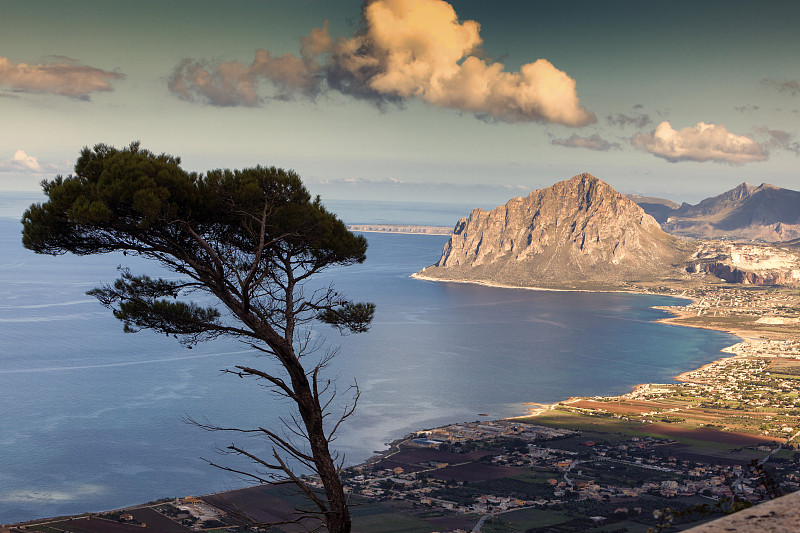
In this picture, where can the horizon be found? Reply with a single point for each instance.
(458, 101)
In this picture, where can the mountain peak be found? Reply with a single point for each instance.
(578, 230)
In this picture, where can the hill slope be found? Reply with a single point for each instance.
(746, 212)
(577, 233)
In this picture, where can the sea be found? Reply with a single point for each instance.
(94, 419)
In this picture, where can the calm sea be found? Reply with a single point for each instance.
(92, 417)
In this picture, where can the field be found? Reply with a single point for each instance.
(707, 442)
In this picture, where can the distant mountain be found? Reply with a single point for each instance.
(658, 208)
(765, 212)
(578, 233)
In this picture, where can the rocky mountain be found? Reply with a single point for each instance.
(658, 208)
(764, 212)
(579, 233)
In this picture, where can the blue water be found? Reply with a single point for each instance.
(92, 417)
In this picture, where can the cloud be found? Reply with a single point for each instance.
(747, 108)
(779, 140)
(405, 49)
(783, 86)
(232, 83)
(64, 76)
(22, 162)
(593, 142)
(703, 142)
(639, 120)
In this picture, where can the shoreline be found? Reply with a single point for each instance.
(483, 283)
(743, 335)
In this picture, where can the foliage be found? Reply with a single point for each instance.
(248, 239)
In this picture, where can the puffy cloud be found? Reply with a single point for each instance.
(405, 49)
(64, 76)
(24, 163)
(21, 162)
(593, 142)
(639, 120)
(703, 142)
(784, 86)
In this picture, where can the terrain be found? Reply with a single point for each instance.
(762, 212)
(582, 234)
(579, 233)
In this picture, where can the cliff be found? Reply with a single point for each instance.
(748, 264)
(577, 233)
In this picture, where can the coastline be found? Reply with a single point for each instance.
(677, 315)
(483, 283)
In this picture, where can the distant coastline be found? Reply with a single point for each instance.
(401, 229)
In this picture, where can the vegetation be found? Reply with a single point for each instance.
(248, 239)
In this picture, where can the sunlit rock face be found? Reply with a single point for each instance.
(748, 263)
(577, 231)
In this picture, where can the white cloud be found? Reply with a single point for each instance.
(64, 76)
(593, 142)
(406, 49)
(22, 162)
(703, 142)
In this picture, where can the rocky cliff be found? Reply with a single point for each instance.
(578, 233)
(748, 264)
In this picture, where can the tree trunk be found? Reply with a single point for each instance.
(337, 518)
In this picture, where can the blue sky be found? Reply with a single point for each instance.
(418, 99)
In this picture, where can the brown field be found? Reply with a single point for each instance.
(708, 435)
(157, 521)
(262, 504)
(409, 457)
(683, 452)
(391, 464)
(476, 472)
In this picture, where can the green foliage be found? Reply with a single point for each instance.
(219, 228)
(138, 307)
(250, 239)
(354, 317)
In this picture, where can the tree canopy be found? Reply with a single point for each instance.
(249, 238)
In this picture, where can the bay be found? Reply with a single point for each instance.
(92, 417)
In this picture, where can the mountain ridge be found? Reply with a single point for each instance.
(763, 212)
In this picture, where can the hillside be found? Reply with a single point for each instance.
(764, 212)
(658, 208)
(579, 233)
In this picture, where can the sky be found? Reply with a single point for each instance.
(421, 100)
